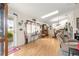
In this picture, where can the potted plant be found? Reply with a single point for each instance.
(10, 36)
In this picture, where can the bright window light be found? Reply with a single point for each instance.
(63, 22)
(57, 18)
(28, 28)
(50, 14)
(54, 25)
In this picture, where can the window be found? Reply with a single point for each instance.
(33, 28)
(29, 28)
(38, 28)
(10, 25)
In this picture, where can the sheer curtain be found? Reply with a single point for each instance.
(29, 28)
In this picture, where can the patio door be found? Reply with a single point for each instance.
(3, 29)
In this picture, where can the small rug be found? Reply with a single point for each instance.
(13, 50)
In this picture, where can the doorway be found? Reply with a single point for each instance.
(10, 23)
(12, 33)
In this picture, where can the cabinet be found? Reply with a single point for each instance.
(44, 30)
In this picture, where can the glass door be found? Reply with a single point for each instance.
(3, 32)
(10, 23)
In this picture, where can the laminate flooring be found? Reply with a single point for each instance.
(42, 47)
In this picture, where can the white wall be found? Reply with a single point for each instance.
(20, 34)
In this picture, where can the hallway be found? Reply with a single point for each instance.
(41, 47)
(31, 23)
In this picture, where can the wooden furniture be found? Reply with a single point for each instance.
(44, 30)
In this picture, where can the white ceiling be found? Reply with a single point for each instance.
(37, 10)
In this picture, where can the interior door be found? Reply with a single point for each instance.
(3, 30)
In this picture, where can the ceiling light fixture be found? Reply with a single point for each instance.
(50, 14)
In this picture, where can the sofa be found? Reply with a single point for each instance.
(65, 42)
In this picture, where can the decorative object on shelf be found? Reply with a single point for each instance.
(20, 23)
(15, 14)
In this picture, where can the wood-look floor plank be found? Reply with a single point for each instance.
(41, 47)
